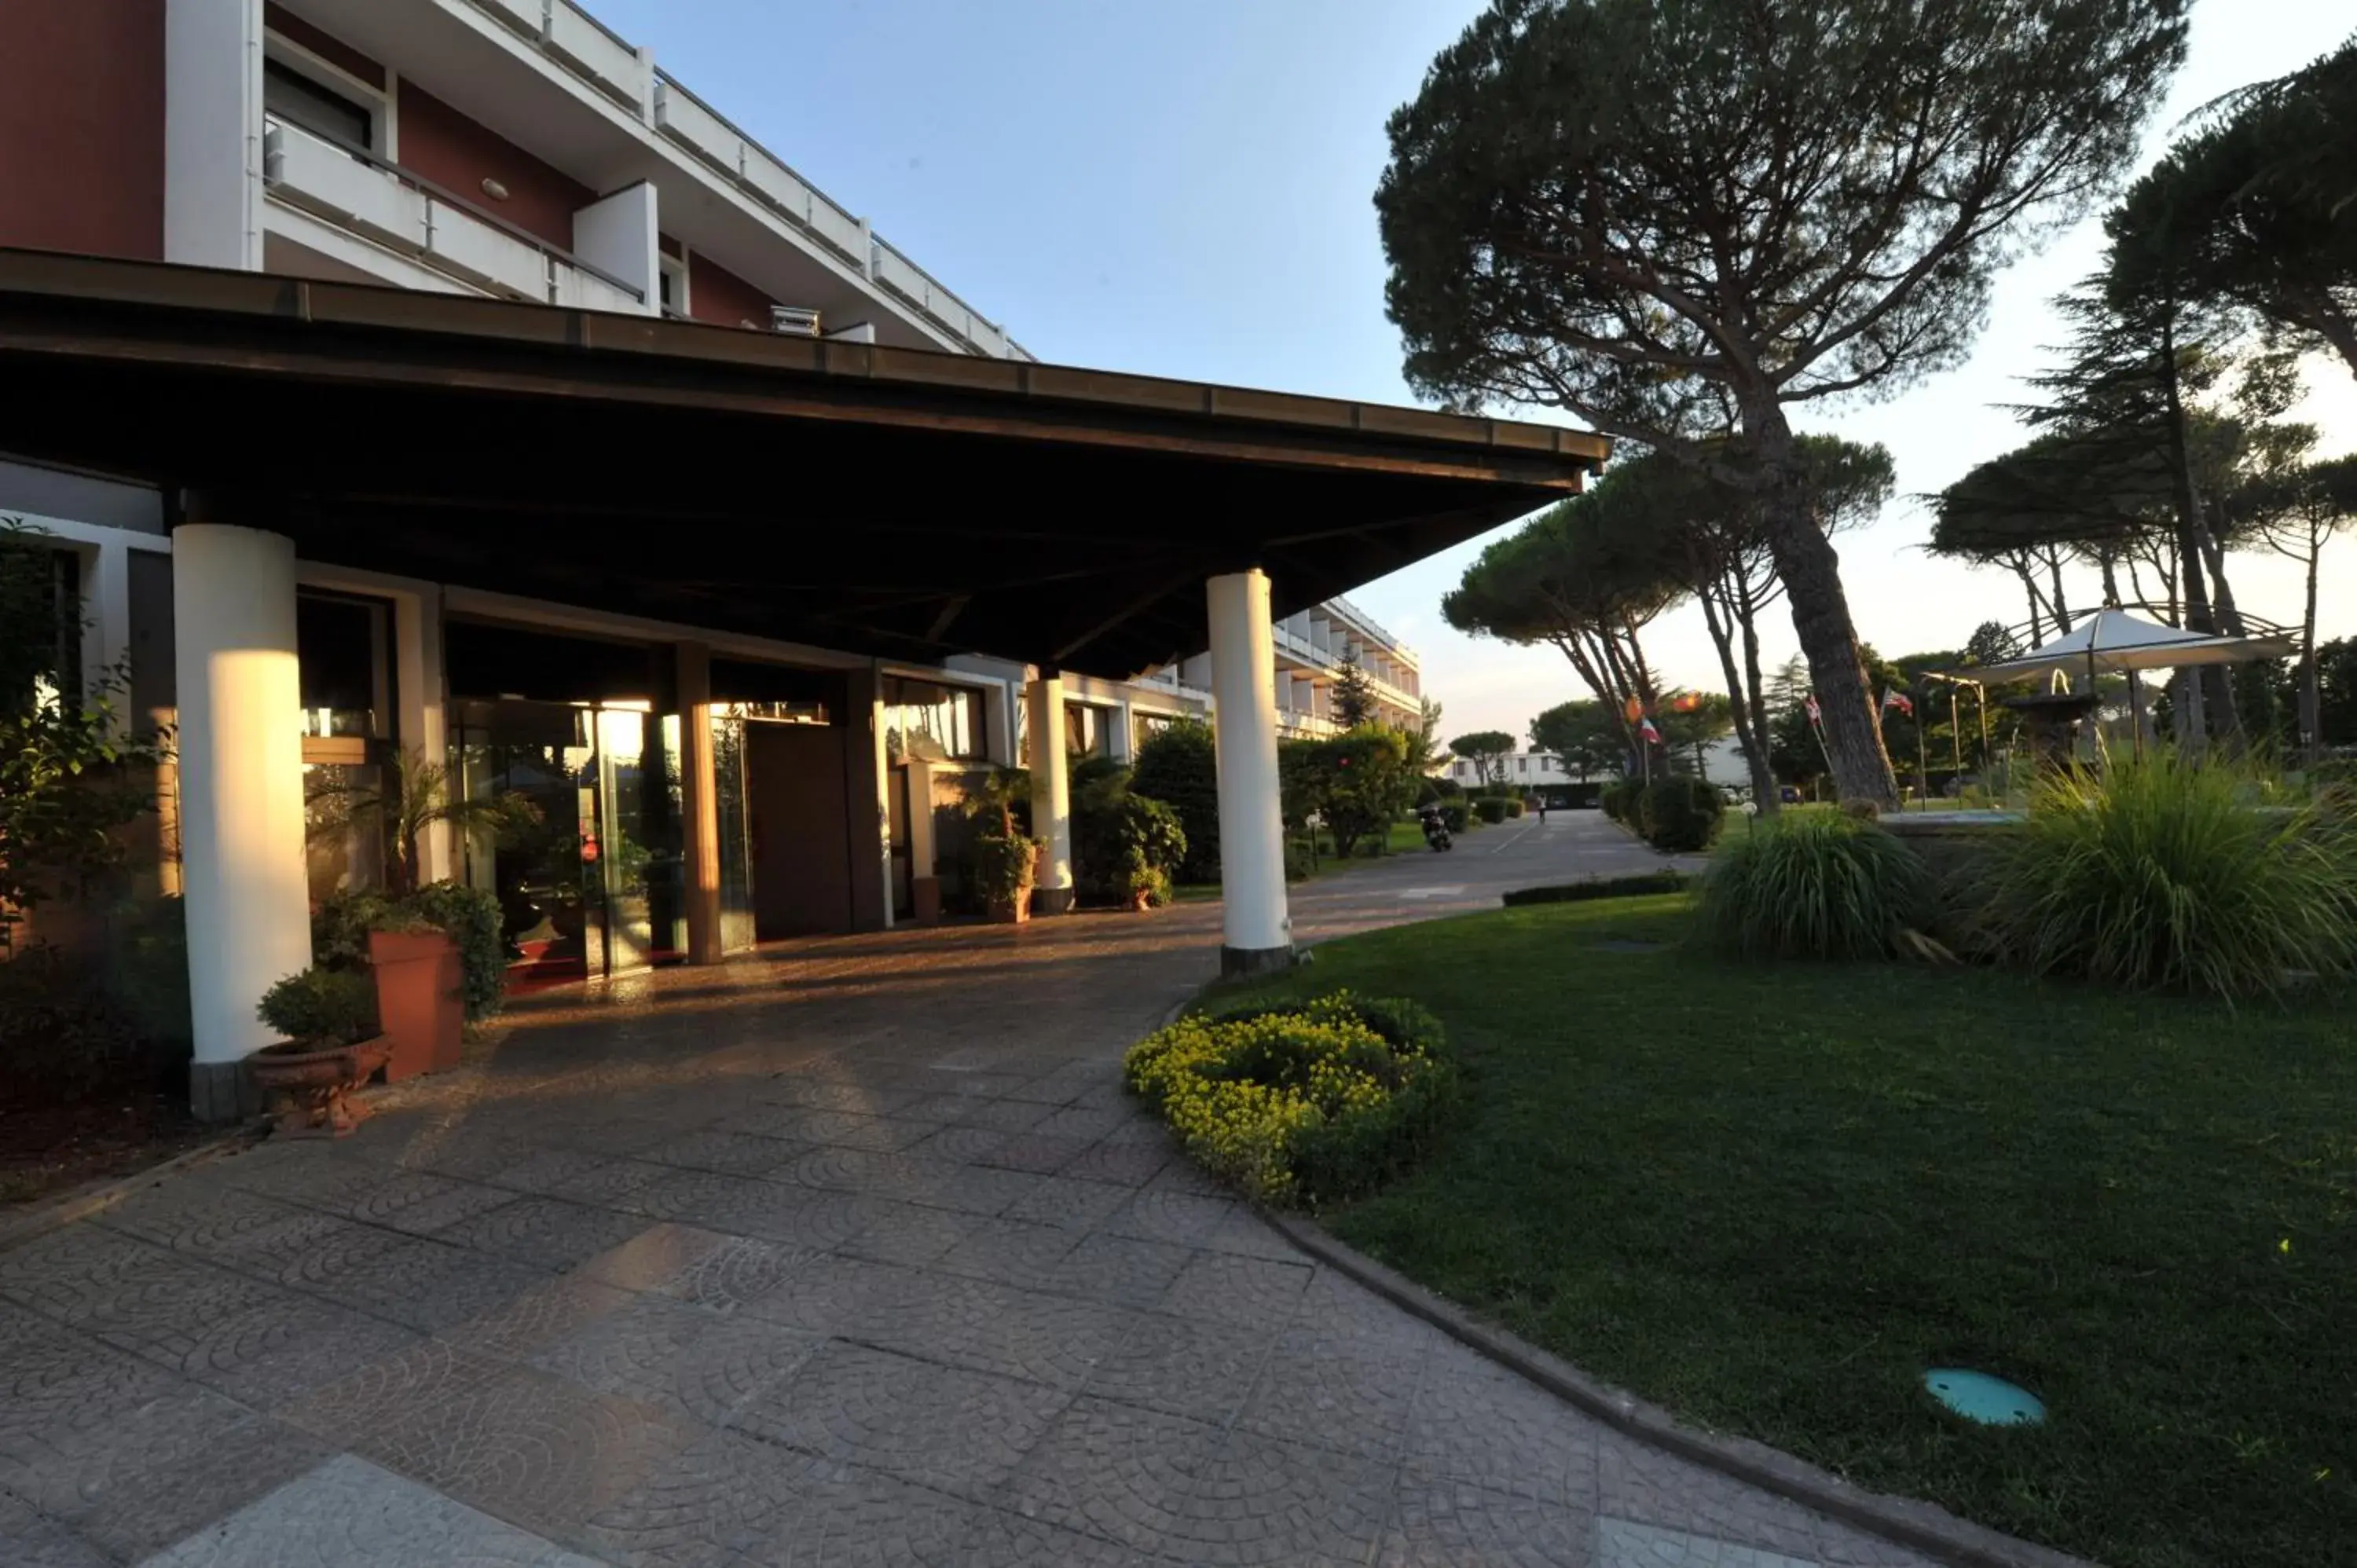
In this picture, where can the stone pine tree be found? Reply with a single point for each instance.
(1486, 751)
(1354, 694)
(1674, 217)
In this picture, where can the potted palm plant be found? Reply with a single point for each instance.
(332, 1046)
(1006, 859)
(422, 986)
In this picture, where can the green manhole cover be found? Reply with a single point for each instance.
(1977, 1397)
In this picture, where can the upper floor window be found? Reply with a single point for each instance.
(302, 101)
(936, 723)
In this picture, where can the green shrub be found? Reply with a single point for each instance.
(1448, 788)
(472, 919)
(1453, 815)
(1180, 768)
(321, 1007)
(1649, 882)
(1813, 885)
(1680, 814)
(1304, 1101)
(2161, 874)
(1300, 860)
(1124, 844)
(1619, 799)
(469, 917)
(1489, 809)
(1514, 807)
(1004, 867)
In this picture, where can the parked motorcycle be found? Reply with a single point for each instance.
(1436, 829)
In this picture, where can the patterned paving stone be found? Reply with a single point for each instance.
(71, 1272)
(832, 1295)
(1205, 1370)
(741, 1270)
(1455, 1524)
(1346, 1394)
(960, 1146)
(679, 1357)
(1012, 1252)
(528, 1445)
(652, 1258)
(544, 1233)
(281, 1354)
(1118, 1269)
(851, 1130)
(1257, 1500)
(420, 1284)
(192, 1217)
(909, 1234)
(418, 1201)
(348, 1513)
(1624, 1543)
(1474, 1421)
(544, 1170)
(57, 1382)
(724, 1496)
(1226, 1287)
(1181, 1219)
(997, 1538)
(1034, 1152)
(614, 1184)
(954, 1430)
(157, 1470)
(515, 1329)
(1644, 1486)
(857, 1519)
(1115, 1471)
(998, 1115)
(1069, 1202)
(30, 1539)
(980, 1189)
(392, 1389)
(772, 1210)
(1129, 1165)
(1050, 1339)
(737, 1154)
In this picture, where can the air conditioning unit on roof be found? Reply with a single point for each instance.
(793, 320)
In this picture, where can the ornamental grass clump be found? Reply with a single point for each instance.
(1813, 884)
(1304, 1103)
(2161, 874)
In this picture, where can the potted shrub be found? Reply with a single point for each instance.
(331, 1047)
(1006, 859)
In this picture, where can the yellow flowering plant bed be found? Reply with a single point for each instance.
(1301, 1102)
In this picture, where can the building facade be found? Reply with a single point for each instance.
(694, 788)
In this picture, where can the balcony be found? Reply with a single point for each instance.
(396, 209)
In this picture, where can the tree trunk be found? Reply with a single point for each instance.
(2111, 581)
(2037, 601)
(2311, 696)
(2218, 692)
(1811, 570)
(2054, 575)
(1750, 723)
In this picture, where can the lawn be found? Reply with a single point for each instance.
(1404, 837)
(1769, 1197)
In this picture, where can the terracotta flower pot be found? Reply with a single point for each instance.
(308, 1088)
(1012, 911)
(419, 1003)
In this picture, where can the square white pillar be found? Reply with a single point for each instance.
(240, 777)
(1256, 925)
(699, 796)
(1052, 801)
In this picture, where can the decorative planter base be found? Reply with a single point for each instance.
(1014, 912)
(925, 899)
(308, 1089)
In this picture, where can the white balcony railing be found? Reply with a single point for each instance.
(403, 213)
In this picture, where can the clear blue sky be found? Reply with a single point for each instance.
(1185, 190)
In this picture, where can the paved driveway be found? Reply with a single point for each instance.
(852, 1252)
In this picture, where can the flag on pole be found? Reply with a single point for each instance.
(1634, 709)
(1651, 736)
(1816, 714)
(1892, 697)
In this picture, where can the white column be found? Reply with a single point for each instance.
(241, 765)
(699, 799)
(212, 132)
(1258, 928)
(616, 235)
(1124, 734)
(1051, 801)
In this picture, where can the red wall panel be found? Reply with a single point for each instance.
(719, 295)
(278, 19)
(82, 126)
(459, 154)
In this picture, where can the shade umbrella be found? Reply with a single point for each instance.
(2114, 641)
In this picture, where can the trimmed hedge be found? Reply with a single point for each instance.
(1680, 814)
(1619, 799)
(1490, 809)
(1514, 807)
(1644, 883)
(1301, 1102)
(1453, 815)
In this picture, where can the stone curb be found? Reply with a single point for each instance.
(97, 1197)
(1917, 1525)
